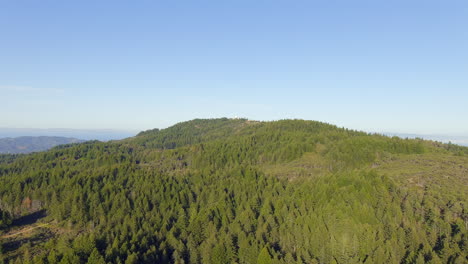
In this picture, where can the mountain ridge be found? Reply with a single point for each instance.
(239, 191)
(84, 134)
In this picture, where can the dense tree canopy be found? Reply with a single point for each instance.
(240, 191)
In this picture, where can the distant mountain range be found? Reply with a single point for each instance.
(85, 134)
(33, 144)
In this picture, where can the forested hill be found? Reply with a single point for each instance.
(238, 191)
(33, 144)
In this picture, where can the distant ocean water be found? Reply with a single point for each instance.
(455, 139)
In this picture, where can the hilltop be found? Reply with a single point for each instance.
(238, 191)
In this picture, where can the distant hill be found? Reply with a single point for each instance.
(85, 134)
(33, 144)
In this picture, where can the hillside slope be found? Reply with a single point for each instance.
(239, 191)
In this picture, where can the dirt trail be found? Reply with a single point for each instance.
(24, 230)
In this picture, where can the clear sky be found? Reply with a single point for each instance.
(399, 66)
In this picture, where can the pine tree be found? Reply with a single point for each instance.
(96, 257)
(264, 257)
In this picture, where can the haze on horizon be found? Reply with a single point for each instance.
(375, 66)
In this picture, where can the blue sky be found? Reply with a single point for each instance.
(399, 66)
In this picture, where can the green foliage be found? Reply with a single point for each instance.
(264, 257)
(95, 257)
(5, 219)
(8, 158)
(206, 191)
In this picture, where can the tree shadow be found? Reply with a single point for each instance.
(15, 243)
(30, 218)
